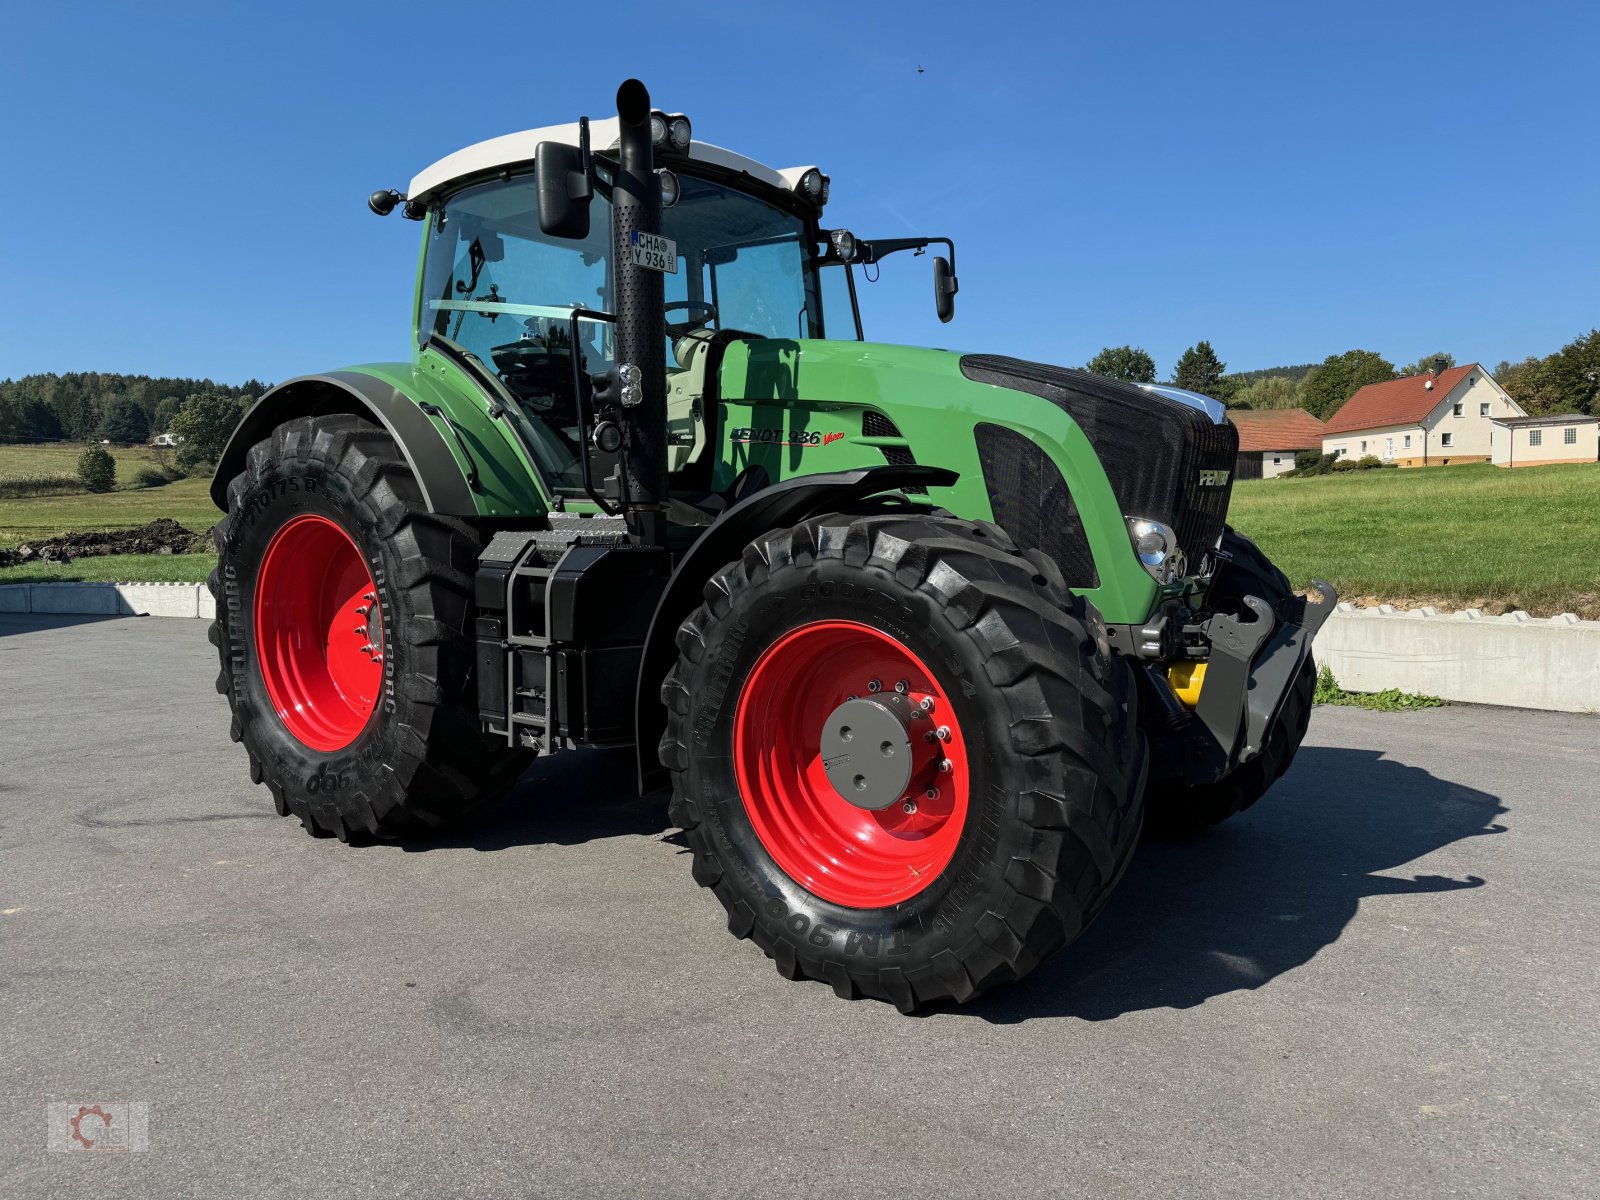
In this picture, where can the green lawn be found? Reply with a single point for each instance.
(116, 568)
(61, 458)
(1475, 536)
(31, 517)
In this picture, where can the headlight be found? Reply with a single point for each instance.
(678, 131)
(811, 184)
(669, 187)
(1157, 548)
(658, 128)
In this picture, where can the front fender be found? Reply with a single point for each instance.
(776, 507)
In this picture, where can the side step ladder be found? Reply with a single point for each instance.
(562, 618)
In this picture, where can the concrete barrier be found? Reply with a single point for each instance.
(109, 599)
(1514, 660)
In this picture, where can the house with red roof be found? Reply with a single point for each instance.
(1446, 416)
(1269, 437)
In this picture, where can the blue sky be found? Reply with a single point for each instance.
(186, 182)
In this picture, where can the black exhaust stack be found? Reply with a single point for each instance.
(636, 208)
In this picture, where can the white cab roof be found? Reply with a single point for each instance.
(518, 148)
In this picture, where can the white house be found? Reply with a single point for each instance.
(1536, 441)
(1444, 417)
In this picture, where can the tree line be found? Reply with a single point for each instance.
(1566, 381)
(89, 405)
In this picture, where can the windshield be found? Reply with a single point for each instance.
(502, 290)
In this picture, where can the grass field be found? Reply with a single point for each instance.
(61, 458)
(1473, 536)
(32, 518)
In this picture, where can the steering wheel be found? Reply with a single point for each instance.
(706, 313)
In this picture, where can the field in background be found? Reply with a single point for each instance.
(1473, 536)
(61, 458)
(116, 568)
(33, 518)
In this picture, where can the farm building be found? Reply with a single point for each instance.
(1269, 438)
(1428, 420)
(1536, 441)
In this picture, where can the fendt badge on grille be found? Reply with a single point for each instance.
(1214, 478)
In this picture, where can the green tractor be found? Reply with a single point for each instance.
(916, 638)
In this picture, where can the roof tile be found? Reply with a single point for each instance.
(1396, 402)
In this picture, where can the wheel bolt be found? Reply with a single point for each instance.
(943, 733)
(902, 686)
(369, 596)
(927, 704)
(945, 766)
(874, 686)
(909, 807)
(362, 610)
(931, 794)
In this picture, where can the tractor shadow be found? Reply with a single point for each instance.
(564, 800)
(1258, 896)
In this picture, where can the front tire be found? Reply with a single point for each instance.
(959, 879)
(344, 614)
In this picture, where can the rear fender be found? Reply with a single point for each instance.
(776, 507)
(447, 486)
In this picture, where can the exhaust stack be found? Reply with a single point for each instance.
(636, 208)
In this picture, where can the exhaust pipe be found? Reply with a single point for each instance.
(636, 208)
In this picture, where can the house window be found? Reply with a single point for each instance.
(1408, 441)
(1459, 407)
(1363, 446)
(1569, 437)
(1276, 460)
(1483, 409)
(1535, 437)
(1447, 440)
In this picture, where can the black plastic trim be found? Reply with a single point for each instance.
(444, 486)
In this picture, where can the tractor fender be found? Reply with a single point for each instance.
(775, 507)
(444, 487)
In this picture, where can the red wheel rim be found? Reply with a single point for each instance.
(848, 855)
(319, 632)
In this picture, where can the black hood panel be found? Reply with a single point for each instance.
(1153, 448)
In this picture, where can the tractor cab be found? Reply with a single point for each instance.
(746, 261)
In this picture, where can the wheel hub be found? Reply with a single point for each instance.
(866, 750)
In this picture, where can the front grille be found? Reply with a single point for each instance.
(1032, 503)
(1153, 448)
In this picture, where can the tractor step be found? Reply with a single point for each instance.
(562, 618)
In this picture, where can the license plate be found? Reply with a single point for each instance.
(654, 252)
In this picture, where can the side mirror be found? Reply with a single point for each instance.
(945, 287)
(564, 190)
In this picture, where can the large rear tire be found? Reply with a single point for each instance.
(965, 651)
(1178, 809)
(344, 626)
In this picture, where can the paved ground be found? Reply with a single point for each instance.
(1383, 981)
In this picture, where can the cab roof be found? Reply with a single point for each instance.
(517, 149)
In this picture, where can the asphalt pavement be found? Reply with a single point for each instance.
(1381, 981)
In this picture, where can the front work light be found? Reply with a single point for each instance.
(811, 184)
(670, 189)
(844, 245)
(679, 132)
